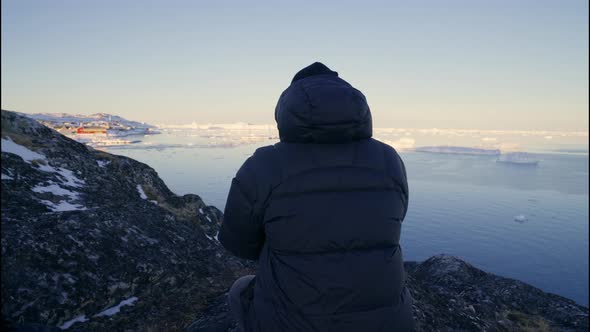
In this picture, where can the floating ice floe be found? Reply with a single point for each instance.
(520, 218)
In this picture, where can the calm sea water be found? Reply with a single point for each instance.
(460, 205)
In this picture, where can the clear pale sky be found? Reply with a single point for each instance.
(422, 64)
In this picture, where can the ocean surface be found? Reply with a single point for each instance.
(524, 222)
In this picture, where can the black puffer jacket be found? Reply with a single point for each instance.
(322, 212)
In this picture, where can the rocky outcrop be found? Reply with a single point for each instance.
(84, 231)
(452, 295)
(93, 242)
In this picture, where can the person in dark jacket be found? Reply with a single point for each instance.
(321, 211)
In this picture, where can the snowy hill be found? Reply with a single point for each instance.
(82, 118)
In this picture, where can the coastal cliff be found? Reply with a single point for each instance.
(93, 241)
(85, 233)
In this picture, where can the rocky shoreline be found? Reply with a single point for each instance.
(452, 295)
(93, 241)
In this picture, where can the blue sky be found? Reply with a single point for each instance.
(421, 64)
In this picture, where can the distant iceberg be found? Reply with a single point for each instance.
(459, 150)
(518, 158)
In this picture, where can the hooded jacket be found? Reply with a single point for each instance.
(322, 212)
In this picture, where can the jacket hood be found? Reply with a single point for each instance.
(320, 107)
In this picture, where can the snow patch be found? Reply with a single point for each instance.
(7, 177)
(69, 177)
(68, 324)
(215, 237)
(141, 192)
(116, 309)
(103, 163)
(77, 242)
(55, 190)
(63, 206)
(9, 146)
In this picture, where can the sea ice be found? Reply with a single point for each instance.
(520, 218)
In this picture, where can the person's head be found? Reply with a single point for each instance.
(320, 107)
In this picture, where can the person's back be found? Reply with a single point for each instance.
(322, 212)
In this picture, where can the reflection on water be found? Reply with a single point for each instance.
(461, 205)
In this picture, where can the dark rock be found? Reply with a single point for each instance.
(451, 295)
(108, 245)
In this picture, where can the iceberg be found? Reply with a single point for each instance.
(458, 150)
(517, 158)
